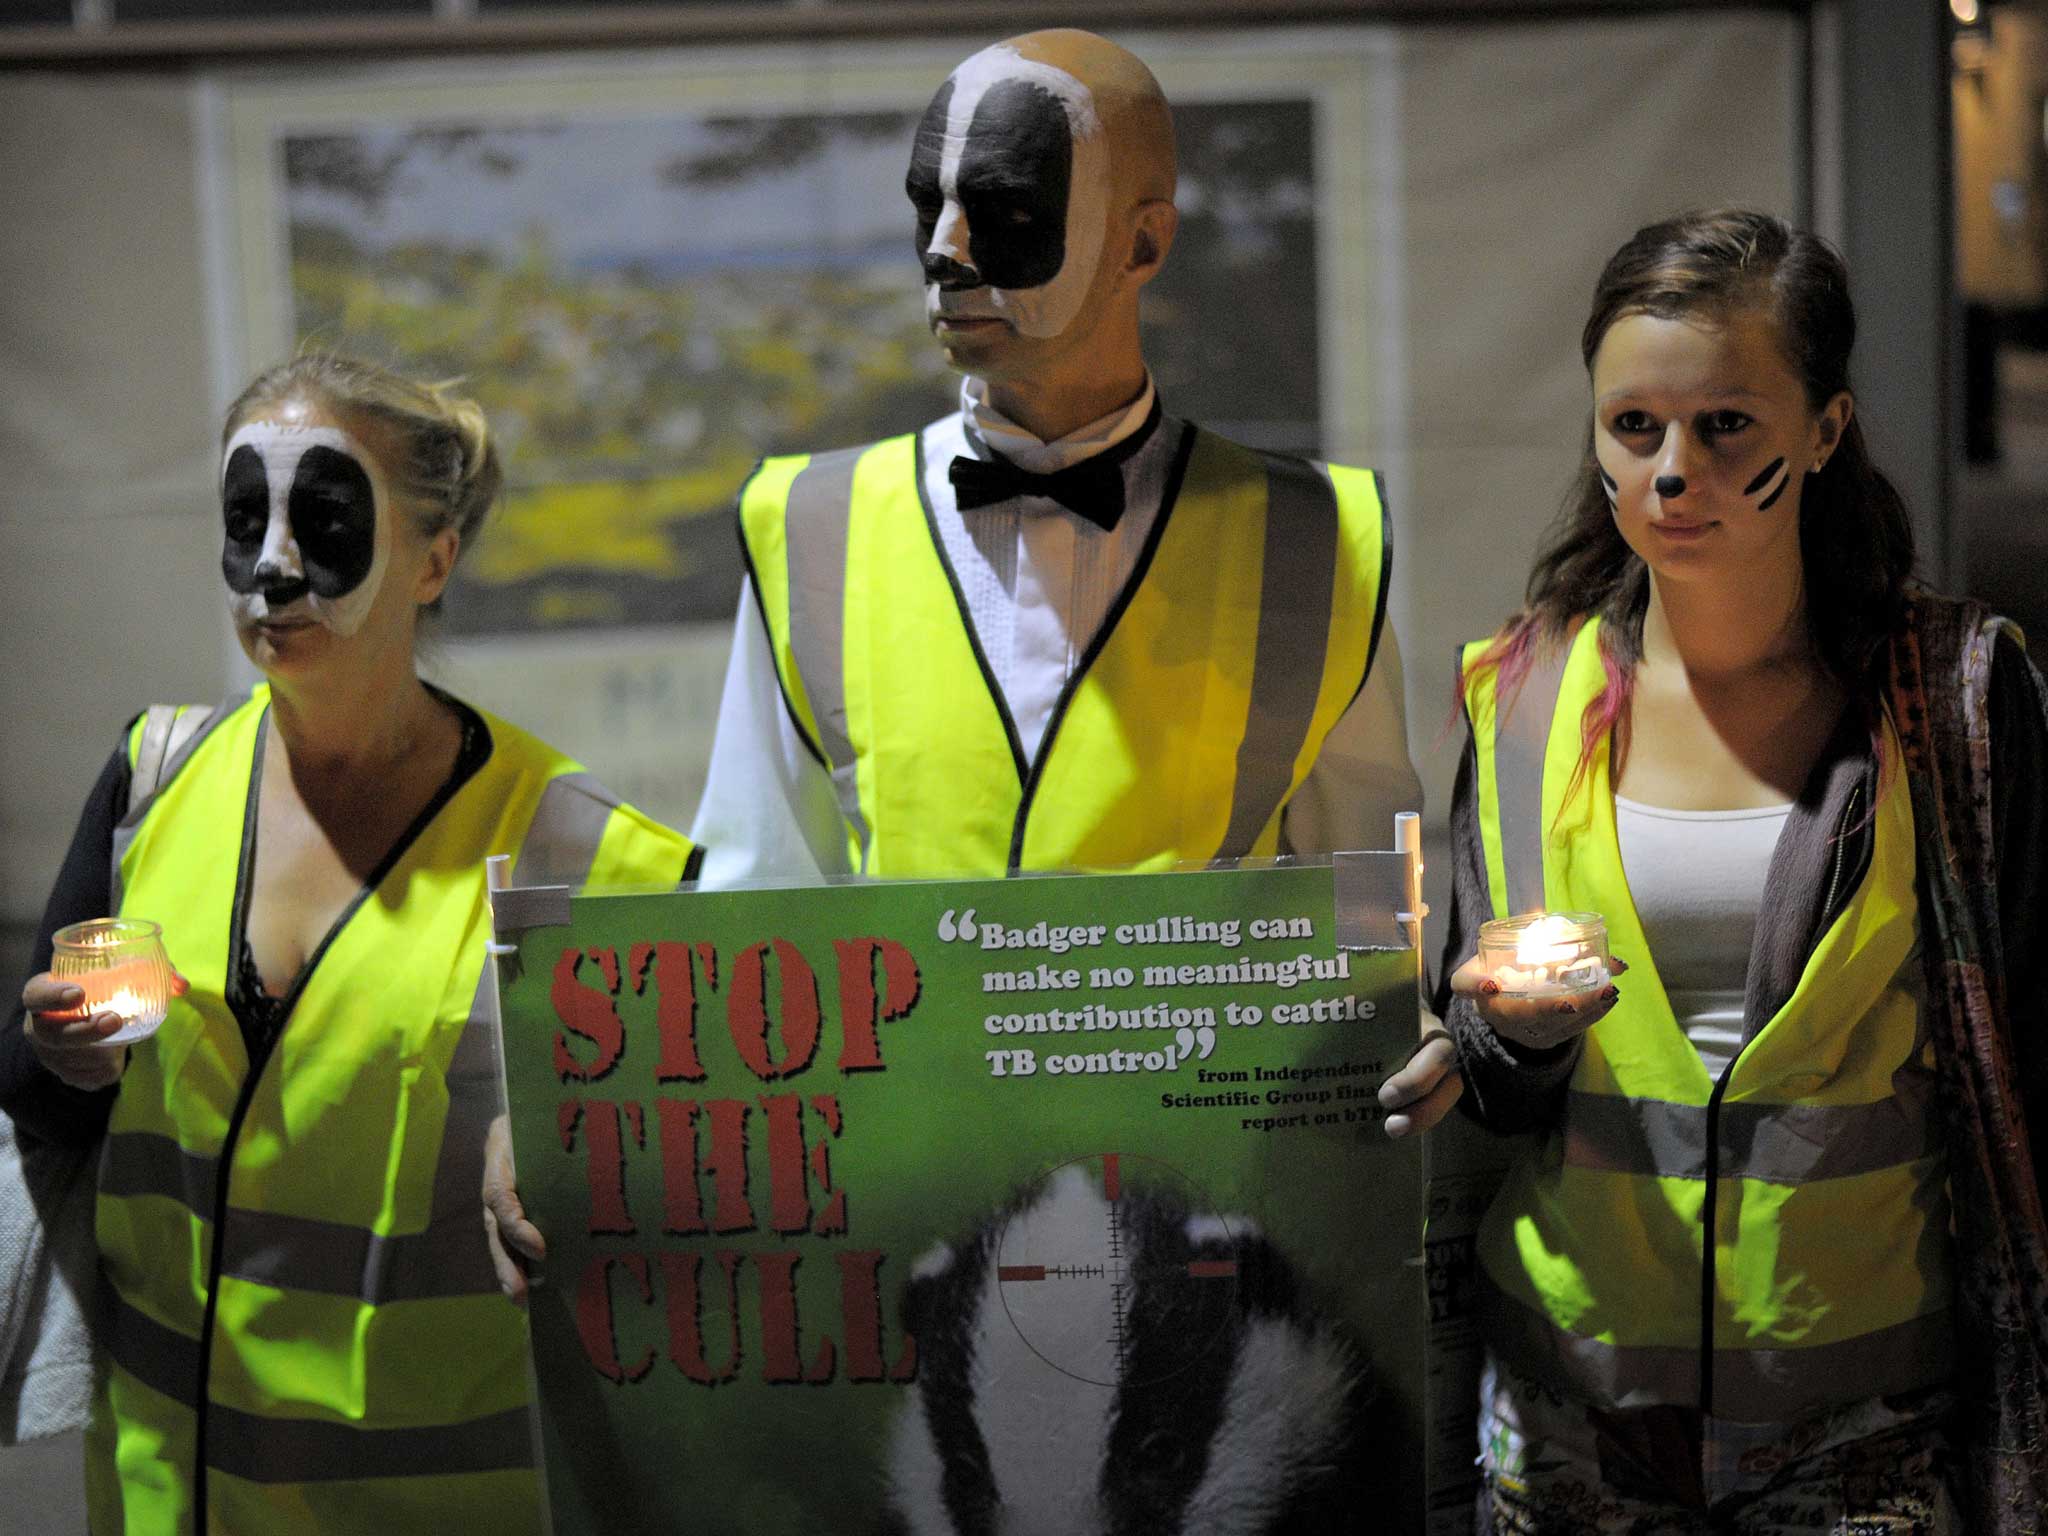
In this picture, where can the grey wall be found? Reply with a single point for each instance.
(109, 584)
(1531, 153)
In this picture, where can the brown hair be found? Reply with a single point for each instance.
(1855, 543)
(447, 468)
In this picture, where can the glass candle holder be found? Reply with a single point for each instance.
(120, 964)
(1537, 954)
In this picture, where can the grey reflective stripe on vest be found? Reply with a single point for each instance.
(1777, 1143)
(266, 1450)
(168, 740)
(568, 826)
(449, 1257)
(145, 1163)
(161, 1358)
(262, 1449)
(1754, 1386)
(1295, 585)
(1521, 740)
(150, 752)
(816, 521)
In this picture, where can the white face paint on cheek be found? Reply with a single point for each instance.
(277, 585)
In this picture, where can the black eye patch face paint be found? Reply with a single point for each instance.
(1013, 180)
(306, 530)
(330, 510)
(1011, 172)
(334, 518)
(245, 509)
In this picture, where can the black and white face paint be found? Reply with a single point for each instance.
(1010, 178)
(302, 508)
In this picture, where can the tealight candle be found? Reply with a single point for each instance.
(120, 965)
(1545, 954)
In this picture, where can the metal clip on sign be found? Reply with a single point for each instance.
(1408, 840)
(497, 875)
(514, 909)
(1379, 894)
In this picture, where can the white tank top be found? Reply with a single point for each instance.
(1697, 878)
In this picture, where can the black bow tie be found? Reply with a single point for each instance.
(1092, 488)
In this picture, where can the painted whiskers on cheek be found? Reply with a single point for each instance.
(1770, 483)
(1608, 484)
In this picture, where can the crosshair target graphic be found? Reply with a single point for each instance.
(1116, 1270)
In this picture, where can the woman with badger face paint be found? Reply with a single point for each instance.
(303, 1314)
(1775, 1259)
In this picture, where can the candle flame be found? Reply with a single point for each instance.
(1550, 940)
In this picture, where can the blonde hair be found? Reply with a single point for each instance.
(446, 468)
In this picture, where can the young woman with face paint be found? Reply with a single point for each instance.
(303, 1314)
(1774, 1259)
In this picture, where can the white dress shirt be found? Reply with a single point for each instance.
(1038, 582)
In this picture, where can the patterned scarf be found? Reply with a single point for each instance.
(1940, 691)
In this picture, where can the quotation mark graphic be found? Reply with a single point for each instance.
(965, 928)
(1187, 1039)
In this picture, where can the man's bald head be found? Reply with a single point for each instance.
(1133, 109)
(1034, 155)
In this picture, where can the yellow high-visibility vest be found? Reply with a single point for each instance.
(303, 1330)
(1758, 1247)
(1246, 631)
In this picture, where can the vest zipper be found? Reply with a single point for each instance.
(474, 752)
(243, 1100)
(1707, 1222)
(244, 1096)
(1827, 907)
(966, 614)
(1713, 1149)
(1169, 498)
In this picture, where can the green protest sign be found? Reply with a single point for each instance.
(1052, 1205)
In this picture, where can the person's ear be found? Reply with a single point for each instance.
(1152, 230)
(438, 567)
(1834, 420)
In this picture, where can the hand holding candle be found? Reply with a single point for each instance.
(120, 965)
(1541, 978)
(1544, 954)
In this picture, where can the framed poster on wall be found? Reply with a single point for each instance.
(653, 270)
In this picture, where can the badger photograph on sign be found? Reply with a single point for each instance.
(1054, 1205)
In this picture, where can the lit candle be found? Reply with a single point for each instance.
(1543, 954)
(120, 966)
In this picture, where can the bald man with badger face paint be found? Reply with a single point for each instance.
(1058, 627)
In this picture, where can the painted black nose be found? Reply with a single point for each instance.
(278, 591)
(1671, 485)
(948, 273)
